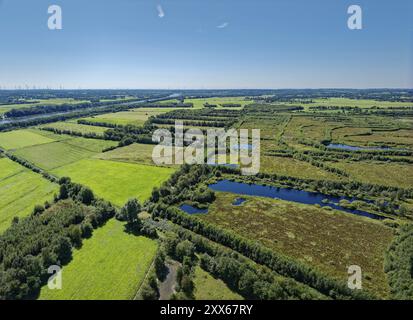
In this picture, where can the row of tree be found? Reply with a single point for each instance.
(88, 135)
(50, 108)
(57, 118)
(399, 264)
(218, 124)
(167, 105)
(332, 156)
(98, 123)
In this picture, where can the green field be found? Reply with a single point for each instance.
(51, 135)
(93, 145)
(9, 168)
(49, 156)
(20, 191)
(294, 168)
(134, 153)
(329, 240)
(53, 155)
(109, 266)
(75, 127)
(199, 103)
(347, 102)
(116, 181)
(22, 138)
(136, 116)
(209, 288)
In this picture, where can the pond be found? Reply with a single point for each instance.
(288, 194)
(355, 148)
(192, 210)
(239, 201)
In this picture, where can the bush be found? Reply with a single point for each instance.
(399, 264)
(184, 249)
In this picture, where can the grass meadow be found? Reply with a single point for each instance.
(347, 102)
(136, 116)
(75, 127)
(135, 153)
(116, 181)
(209, 288)
(22, 138)
(53, 155)
(294, 168)
(20, 191)
(109, 266)
(199, 103)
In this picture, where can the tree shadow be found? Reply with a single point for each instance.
(132, 229)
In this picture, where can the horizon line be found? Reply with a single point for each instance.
(206, 89)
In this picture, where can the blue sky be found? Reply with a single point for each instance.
(206, 44)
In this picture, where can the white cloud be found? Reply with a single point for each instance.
(223, 25)
(161, 13)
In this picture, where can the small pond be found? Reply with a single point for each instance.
(238, 201)
(355, 148)
(192, 210)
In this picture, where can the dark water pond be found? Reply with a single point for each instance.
(239, 201)
(355, 148)
(192, 210)
(294, 195)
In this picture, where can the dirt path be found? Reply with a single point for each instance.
(167, 287)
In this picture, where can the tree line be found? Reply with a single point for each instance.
(88, 135)
(218, 124)
(65, 107)
(398, 264)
